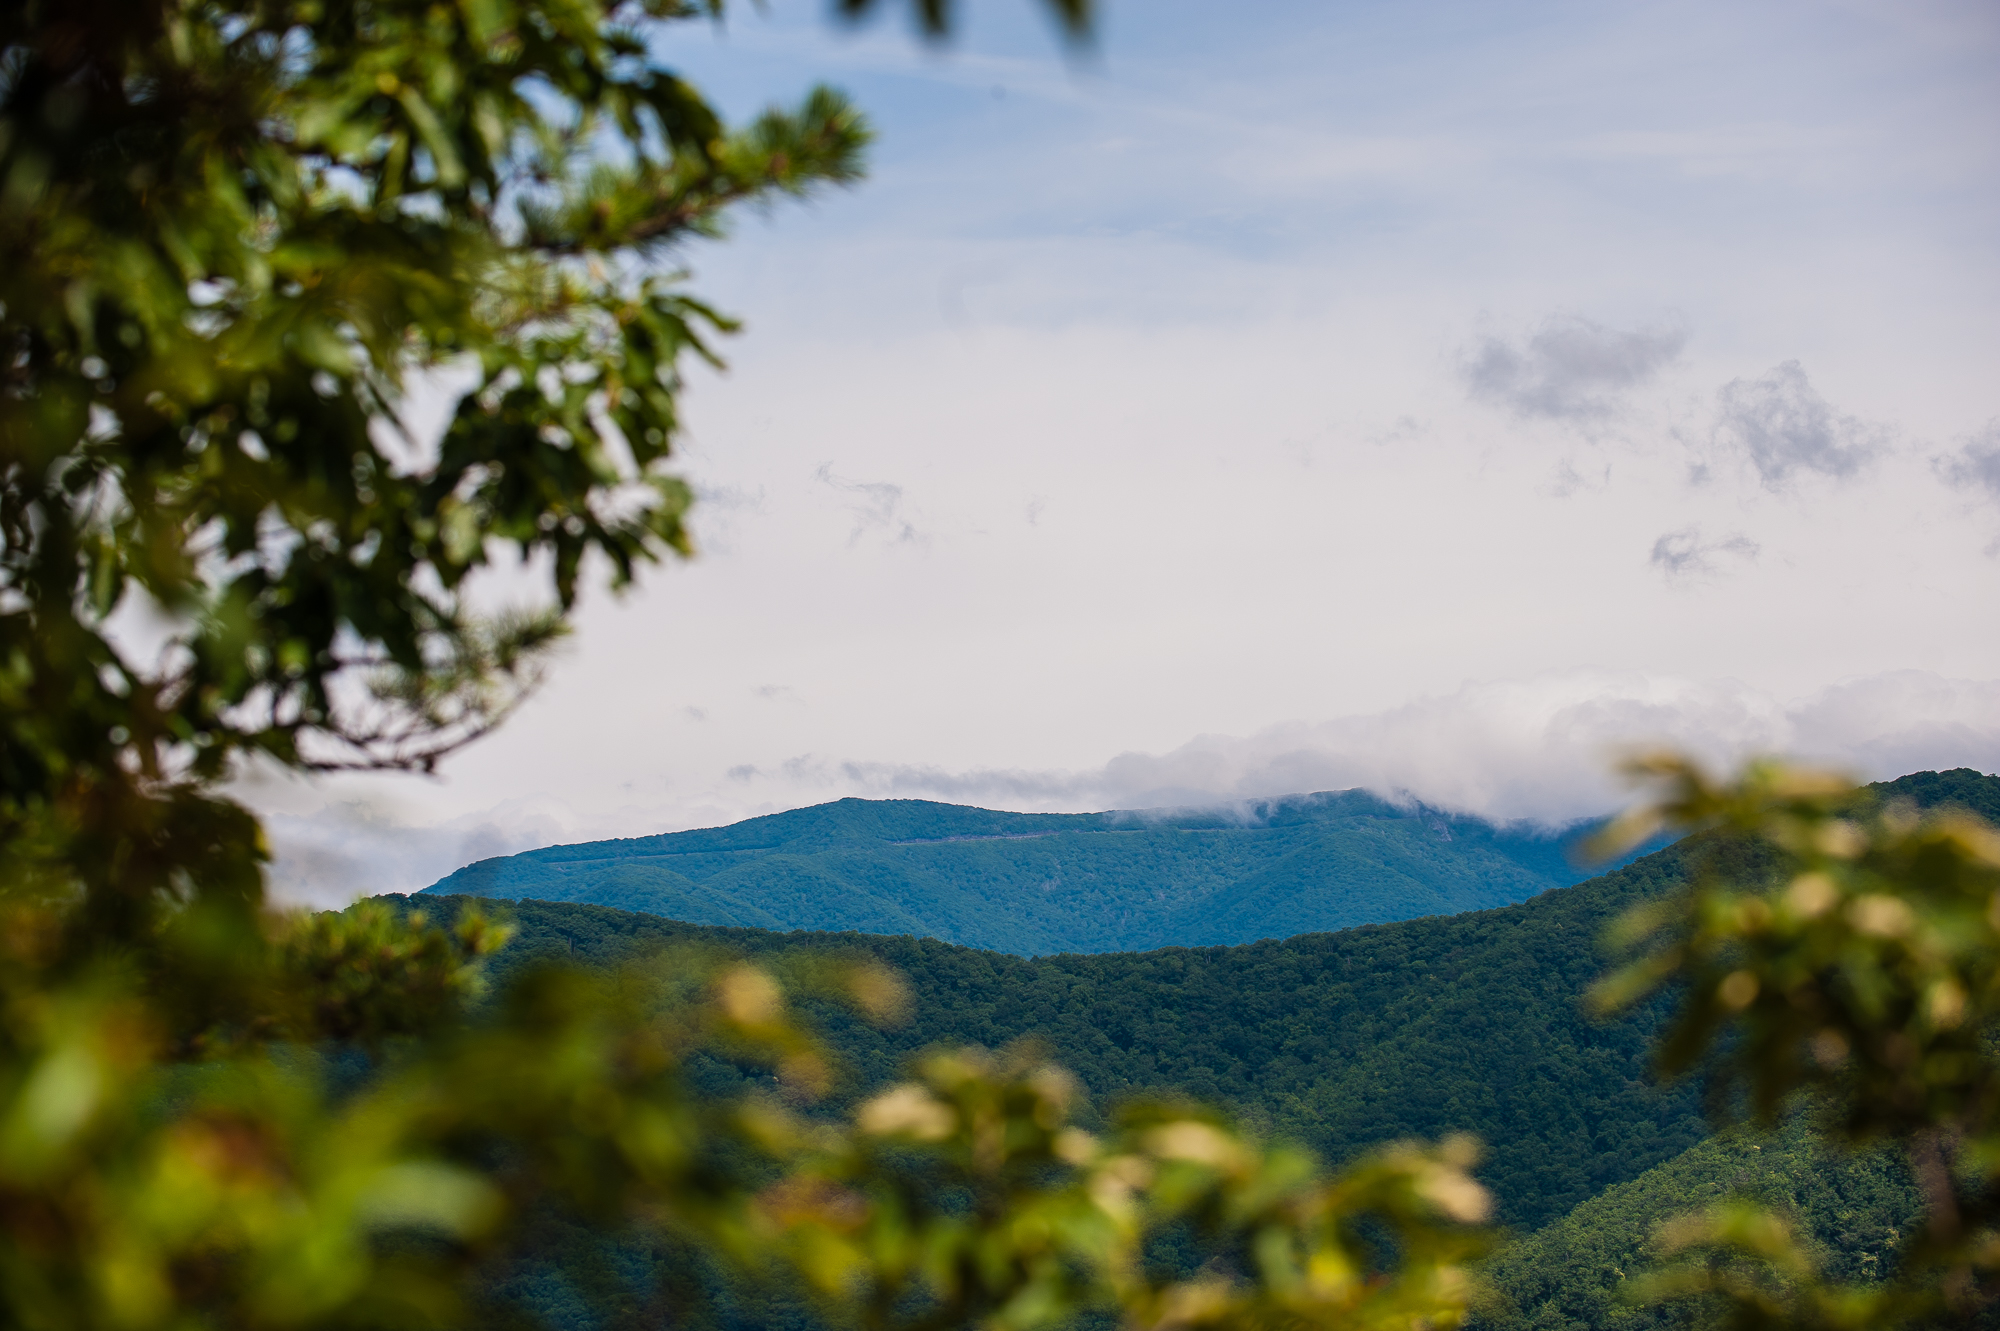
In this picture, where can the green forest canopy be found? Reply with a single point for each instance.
(1344, 1040)
(1337, 1040)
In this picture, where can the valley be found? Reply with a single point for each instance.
(1339, 1040)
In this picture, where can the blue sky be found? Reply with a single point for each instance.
(1289, 396)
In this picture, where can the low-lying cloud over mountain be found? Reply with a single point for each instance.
(1541, 749)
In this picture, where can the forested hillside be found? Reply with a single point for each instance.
(1338, 1040)
(1037, 884)
(1854, 1209)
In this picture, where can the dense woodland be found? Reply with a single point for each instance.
(1855, 1209)
(1339, 1041)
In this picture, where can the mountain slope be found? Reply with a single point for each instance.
(1853, 1209)
(1036, 884)
(1338, 1040)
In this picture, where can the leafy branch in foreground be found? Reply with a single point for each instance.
(139, 1190)
(247, 239)
(1865, 971)
(966, 1197)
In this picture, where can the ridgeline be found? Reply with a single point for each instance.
(1337, 1040)
(1040, 884)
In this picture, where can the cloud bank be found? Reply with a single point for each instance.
(355, 848)
(1541, 749)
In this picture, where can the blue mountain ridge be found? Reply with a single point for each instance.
(1039, 884)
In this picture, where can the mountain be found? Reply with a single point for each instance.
(1038, 884)
(1337, 1040)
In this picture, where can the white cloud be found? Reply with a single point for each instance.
(1542, 749)
(355, 849)
(1906, 721)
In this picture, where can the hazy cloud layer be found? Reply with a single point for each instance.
(1541, 749)
(356, 849)
(1782, 425)
(1571, 369)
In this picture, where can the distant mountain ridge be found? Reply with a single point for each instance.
(1039, 884)
(1338, 1041)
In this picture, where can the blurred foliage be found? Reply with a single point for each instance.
(137, 1191)
(246, 239)
(988, 1208)
(141, 1191)
(1862, 972)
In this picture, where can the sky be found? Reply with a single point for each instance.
(1441, 398)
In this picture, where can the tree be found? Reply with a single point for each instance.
(238, 232)
(1854, 975)
(249, 226)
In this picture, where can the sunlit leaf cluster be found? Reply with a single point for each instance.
(968, 1197)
